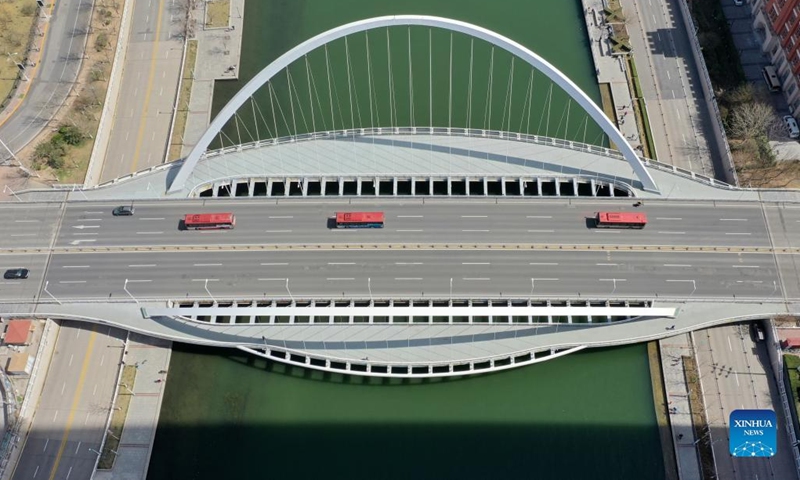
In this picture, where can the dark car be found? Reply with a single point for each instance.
(16, 273)
(122, 211)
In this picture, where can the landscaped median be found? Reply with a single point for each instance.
(120, 412)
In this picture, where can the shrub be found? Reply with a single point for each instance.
(101, 42)
(70, 134)
(28, 10)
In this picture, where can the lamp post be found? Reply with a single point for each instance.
(289, 291)
(533, 285)
(451, 290)
(125, 287)
(694, 288)
(369, 287)
(51, 295)
(209, 292)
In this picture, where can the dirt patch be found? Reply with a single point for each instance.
(218, 13)
(84, 105)
(185, 95)
(17, 20)
(753, 172)
(699, 422)
(121, 405)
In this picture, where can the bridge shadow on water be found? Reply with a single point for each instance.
(235, 416)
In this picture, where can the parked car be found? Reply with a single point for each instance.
(738, 3)
(791, 125)
(16, 274)
(122, 211)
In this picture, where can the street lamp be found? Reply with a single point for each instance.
(125, 287)
(533, 285)
(46, 283)
(290, 292)
(209, 293)
(694, 288)
(369, 287)
(451, 290)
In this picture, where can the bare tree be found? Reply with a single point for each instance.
(753, 119)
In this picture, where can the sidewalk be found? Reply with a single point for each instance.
(136, 444)
(218, 53)
(611, 70)
(680, 418)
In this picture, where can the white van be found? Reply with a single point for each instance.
(771, 77)
(791, 126)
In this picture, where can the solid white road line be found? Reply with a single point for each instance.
(672, 233)
(75, 266)
(475, 263)
(474, 216)
(277, 231)
(409, 230)
(139, 281)
(72, 281)
(732, 219)
(738, 233)
(93, 213)
(539, 216)
(205, 280)
(207, 264)
(474, 230)
(409, 216)
(677, 265)
(24, 234)
(341, 263)
(88, 233)
(142, 265)
(543, 263)
(745, 266)
(476, 279)
(668, 218)
(612, 279)
(606, 264)
(673, 281)
(541, 231)
(408, 263)
(149, 233)
(273, 264)
(271, 279)
(408, 278)
(281, 216)
(152, 218)
(333, 279)
(26, 221)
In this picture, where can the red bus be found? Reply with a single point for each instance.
(209, 221)
(359, 219)
(620, 220)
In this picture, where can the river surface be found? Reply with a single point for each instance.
(586, 416)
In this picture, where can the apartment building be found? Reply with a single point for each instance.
(777, 24)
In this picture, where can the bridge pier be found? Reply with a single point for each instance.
(323, 185)
(574, 187)
(502, 186)
(467, 182)
(611, 190)
(358, 186)
(377, 184)
(558, 187)
(593, 184)
(341, 186)
(413, 186)
(251, 187)
(449, 187)
(394, 186)
(539, 186)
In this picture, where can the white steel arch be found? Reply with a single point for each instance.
(418, 20)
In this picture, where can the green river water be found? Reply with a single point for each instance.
(586, 416)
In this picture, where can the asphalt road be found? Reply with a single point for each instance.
(689, 224)
(736, 375)
(55, 75)
(73, 408)
(176, 268)
(151, 69)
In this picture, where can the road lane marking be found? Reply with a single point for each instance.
(36, 471)
(476, 279)
(547, 279)
(207, 264)
(149, 233)
(543, 263)
(749, 281)
(81, 227)
(148, 91)
(142, 265)
(93, 213)
(672, 233)
(84, 234)
(475, 263)
(538, 216)
(408, 278)
(94, 390)
(277, 231)
(677, 265)
(738, 233)
(474, 216)
(205, 280)
(281, 216)
(92, 220)
(72, 281)
(151, 218)
(541, 231)
(732, 219)
(24, 234)
(407, 230)
(341, 263)
(272, 264)
(408, 263)
(612, 279)
(271, 279)
(669, 218)
(745, 266)
(75, 266)
(605, 230)
(139, 281)
(409, 216)
(47, 441)
(26, 221)
(75, 400)
(730, 347)
(690, 281)
(79, 444)
(333, 279)
(606, 264)
(63, 386)
(474, 230)
(68, 473)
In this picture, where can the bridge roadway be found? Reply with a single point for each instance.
(689, 249)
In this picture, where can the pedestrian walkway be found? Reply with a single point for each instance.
(151, 357)
(218, 53)
(680, 417)
(610, 69)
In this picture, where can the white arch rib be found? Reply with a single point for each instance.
(419, 20)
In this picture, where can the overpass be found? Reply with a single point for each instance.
(487, 260)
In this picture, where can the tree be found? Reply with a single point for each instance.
(752, 120)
